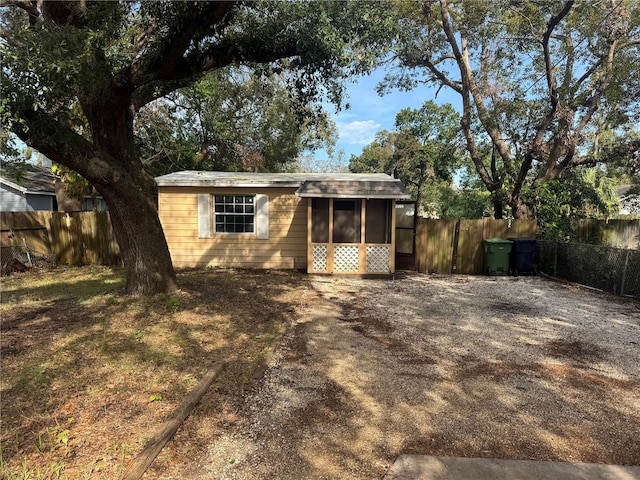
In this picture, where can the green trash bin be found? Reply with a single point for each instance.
(496, 256)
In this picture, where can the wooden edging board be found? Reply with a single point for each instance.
(141, 462)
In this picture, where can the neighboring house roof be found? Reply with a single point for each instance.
(35, 188)
(629, 199)
(28, 178)
(316, 185)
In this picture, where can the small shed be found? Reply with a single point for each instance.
(322, 223)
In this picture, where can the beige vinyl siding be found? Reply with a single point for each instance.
(286, 246)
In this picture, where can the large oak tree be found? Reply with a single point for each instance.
(76, 73)
(537, 81)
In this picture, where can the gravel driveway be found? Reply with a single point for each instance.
(498, 367)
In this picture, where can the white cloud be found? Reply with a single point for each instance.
(358, 132)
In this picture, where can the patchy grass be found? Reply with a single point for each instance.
(89, 374)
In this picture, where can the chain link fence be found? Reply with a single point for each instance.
(610, 269)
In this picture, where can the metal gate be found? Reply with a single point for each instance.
(406, 235)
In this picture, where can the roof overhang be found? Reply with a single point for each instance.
(15, 186)
(371, 189)
(189, 178)
(308, 185)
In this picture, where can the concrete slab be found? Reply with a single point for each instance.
(422, 467)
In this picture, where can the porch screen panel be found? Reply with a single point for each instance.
(320, 220)
(378, 221)
(346, 221)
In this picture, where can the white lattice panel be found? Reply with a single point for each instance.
(346, 258)
(377, 259)
(320, 256)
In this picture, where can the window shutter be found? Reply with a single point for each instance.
(204, 215)
(262, 216)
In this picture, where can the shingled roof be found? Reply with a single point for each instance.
(315, 185)
(27, 178)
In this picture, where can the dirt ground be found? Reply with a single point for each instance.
(359, 372)
(522, 368)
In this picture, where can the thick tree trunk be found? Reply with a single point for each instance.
(129, 192)
(143, 246)
(114, 169)
(498, 209)
(64, 201)
(519, 209)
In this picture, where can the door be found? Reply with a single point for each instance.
(406, 235)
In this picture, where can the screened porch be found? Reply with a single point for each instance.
(351, 236)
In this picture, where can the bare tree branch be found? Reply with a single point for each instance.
(169, 63)
(10, 39)
(551, 25)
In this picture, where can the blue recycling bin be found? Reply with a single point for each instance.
(522, 259)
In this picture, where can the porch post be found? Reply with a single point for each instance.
(392, 250)
(330, 246)
(309, 237)
(362, 248)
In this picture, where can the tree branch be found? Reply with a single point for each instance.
(425, 62)
(588, 73)
(65, 13)
(10, 39)
(180, 64)
(215, 57)
(568, 70)
(168, 63)
(62, 145)
(468, 83)
(29, 6)
(551, 25)
(594, 68)
(431, 66)
(604, 84)
(472, 148)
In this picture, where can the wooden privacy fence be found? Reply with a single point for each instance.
(455, 246)
(85, 238)
(616, 233)
(77, 238)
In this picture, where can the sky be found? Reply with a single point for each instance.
(369, 113)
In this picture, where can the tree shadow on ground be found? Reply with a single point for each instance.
(433, 367)
(80, 357)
